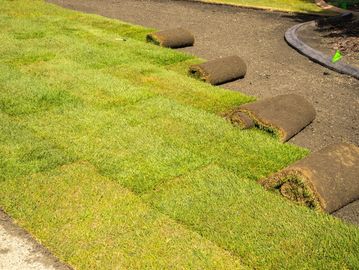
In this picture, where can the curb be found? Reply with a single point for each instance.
(317, 56)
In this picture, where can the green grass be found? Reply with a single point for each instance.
(94, 223)
(302, 6)
(113, 158)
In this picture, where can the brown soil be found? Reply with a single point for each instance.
(342, 36)
(349, 213)
(257, 36)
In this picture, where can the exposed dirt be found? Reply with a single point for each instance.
(342, 36)
(18, 250)
(349, 213)
(273, 67)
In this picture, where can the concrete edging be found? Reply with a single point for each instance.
(317, 56)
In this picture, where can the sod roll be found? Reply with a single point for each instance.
(220, 71)
(240, 119)
(326, 180)
(285, 115)
(172, 38)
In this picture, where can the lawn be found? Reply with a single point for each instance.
(302, 6)
(113, 158)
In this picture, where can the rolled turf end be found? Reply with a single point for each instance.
(278, 132)
(220, 70)
(295, 186)
(171, 38)
(240, 119)
(283, 115)
(151, 38)
(327, 180)
(244, 119)
(197, 72)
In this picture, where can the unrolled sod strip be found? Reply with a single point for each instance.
(220, 71)
(172, 38)
(285, 115)
(326, 180)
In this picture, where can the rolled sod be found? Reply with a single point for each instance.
(172, 38)
(242, 119)
(285, 115)
(326, 180)
(220, 71)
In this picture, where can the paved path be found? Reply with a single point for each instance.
(18, 251)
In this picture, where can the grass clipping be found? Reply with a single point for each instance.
(326, 180)
(284, 115)
(172, 38)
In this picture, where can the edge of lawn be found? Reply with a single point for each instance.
(320, 12)
(177, 68)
